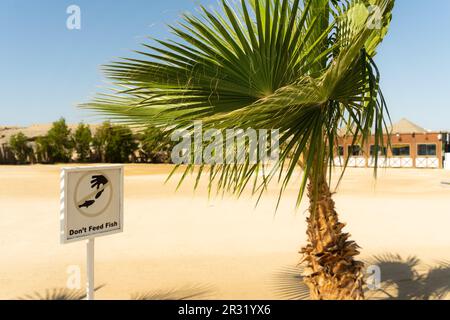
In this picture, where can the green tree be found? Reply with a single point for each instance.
(155, 145)
(304, 67)
(58, 142)
(20, 147)
(82, 139)
(43, 149)
(100, 141)
(114, 144)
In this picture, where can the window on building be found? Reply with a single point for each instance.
(400, 150)
(340, 151)
(355, 151)
(427, 149)
(382, 151)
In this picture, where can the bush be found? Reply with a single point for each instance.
(43, 149)
(110, 144)
(20, 148)
(58, 142)
(114, 144)
(82, 140)
(155, 146)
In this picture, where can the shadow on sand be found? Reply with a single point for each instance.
(58, 294)
(182, 293)
(401, 279)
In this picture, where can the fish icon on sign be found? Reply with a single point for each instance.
(86, 204)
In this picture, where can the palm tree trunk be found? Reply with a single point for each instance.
(332, 272)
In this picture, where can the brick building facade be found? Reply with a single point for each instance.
(411, 147)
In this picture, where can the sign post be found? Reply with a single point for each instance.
(91, 206)
(90, 245)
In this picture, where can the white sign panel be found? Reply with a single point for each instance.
(91, 202)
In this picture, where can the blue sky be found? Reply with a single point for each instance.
(47, 69)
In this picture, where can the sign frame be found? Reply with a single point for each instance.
(64, 201)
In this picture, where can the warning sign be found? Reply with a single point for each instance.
(91, 202)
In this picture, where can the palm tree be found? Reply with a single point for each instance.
(303, 67)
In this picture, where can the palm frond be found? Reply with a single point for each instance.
(304, 68)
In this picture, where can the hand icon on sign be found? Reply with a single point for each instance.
(98, 181)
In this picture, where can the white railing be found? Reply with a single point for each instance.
(382, 162)
(357, 162)
(427, 162)
(393, 162)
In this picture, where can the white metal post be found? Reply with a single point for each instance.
(90, 269)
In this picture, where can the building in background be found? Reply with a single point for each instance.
(411, 147)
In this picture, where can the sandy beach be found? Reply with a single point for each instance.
(178, 240)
